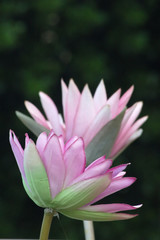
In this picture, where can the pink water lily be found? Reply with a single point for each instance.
(85, 116)
(55, 176)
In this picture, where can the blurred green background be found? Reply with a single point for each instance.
(42, 41)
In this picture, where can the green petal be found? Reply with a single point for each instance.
(103, 142)
(33, 126)
(96, 216)
(81, 193)
(36, 177)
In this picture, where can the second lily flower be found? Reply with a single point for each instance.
(85, 116)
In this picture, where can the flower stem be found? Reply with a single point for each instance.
(46, 223)
(89, 230)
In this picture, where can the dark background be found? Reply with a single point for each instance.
(42, 41)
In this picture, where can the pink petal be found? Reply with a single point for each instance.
(134, 136)
(99, 121)
(116, 170)
(51, 112)
(85, 113)
(70, 142)
(61, 141)
(75, 161)
(120, 175)
(95, 170)
(111, 208)
(54, 165)
(125, 99)
(36, 114)
(41, 142)
(62, 124)
(96, 162)
(115, 186)
(26, 139)
(129, 118)
(17, 151)
(100, 96)
(125, 140)
(113, 101)
(64, 96)
(72, 103)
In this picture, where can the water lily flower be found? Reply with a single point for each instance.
(55, 176)
(85, 116)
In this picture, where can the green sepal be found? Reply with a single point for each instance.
(36, 176)
(103, 142)
(32, 125)
(81, 193)
(96, 216)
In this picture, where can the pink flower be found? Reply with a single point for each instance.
(85, 116)
(55, 176)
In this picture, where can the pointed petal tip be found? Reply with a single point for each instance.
(18, 113)
(132, 179)
(86, 87)
(145, 118)
(71, 82)
(26, 102)
(102, 82)
(131, 88)
(138, 206)
(30, 107)
(41, 94)
(140, 103)
(11, 134)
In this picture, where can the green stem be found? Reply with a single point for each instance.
(89, 230)
(46, 223)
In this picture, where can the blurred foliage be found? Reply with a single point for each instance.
(42, 41)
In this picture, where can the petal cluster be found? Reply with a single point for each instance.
(85, 115)
(55, 176)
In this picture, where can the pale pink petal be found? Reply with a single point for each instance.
(95, 170)
(125, 99)
(64, 96)
(116, 151)
(61, 141)
(129, 118)
(111, 208)
(100, 120)
(137, 125)
(75, 161)
(116, 170)
(113, 101)
(51, 112)
(26, 139)
(41, 142)
(62, 124)
(72, 101)
(120, 175)
(125, 139)
(85, 113)
(135, 135)
(96, 162)
(116, 185)
(54, 165)
(70, 141)
(36, 114)
(100, 96)
(18, 153)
